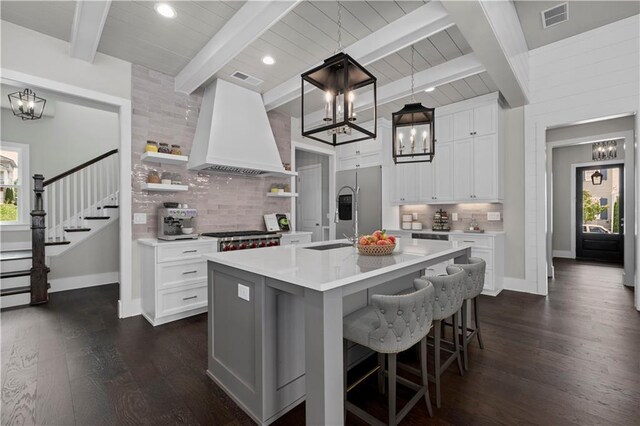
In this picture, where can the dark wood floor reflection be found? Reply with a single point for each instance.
(570, 358)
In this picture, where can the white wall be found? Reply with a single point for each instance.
(72, 136)
(34, 53)
(585, 77)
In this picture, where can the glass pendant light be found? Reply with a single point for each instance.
(27, 105)
(413, 137)
(329, 108)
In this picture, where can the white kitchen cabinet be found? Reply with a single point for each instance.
(462, 124)
(298, 237)
(463, 173)
(444, 128)
(173, 278)
(358, 155)
(489, 247)
(425, 181)
(443, 172)
(485, 120)
(485, 166)
(407, 183)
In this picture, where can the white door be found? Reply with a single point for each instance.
(462, 124)
(485, 154)
(310, 200)
(462, 173)
(485, 120)
(443, 172)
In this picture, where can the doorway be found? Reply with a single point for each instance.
(599, 220)
(312, 186)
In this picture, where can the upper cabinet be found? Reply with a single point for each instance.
(468, 162)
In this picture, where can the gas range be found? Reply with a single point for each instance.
(244, 240)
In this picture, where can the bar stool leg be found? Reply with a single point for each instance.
(476, 317)
(425, 373)
(392, 389)
(436, 356)
(465, 306)
(457, 343)
(381, 373)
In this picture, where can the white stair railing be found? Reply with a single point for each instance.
(80, 192)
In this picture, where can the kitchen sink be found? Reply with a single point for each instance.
(329, 246)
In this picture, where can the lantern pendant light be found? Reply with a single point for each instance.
(27, 105)
(413, 139)
(329, 108)
(596, 178)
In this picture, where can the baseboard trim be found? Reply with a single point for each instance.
(83, 281)
(565, 254)
(519, 284)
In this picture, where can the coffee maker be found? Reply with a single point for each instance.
(176, 224)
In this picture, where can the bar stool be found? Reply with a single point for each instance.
(473, 285)
(389, 326)
(448, 298)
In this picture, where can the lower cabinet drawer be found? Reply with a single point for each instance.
(475, 240)
(181, 299)
(180, 273)
(182, 251)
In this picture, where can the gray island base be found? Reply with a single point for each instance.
(275, 320)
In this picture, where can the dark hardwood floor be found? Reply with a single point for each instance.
(570, 358)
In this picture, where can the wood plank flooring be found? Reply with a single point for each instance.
(570, 358)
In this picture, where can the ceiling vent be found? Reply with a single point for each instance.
(556, 15)
(246, 78)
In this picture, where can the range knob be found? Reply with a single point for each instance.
(225, 248)
(275, 243)
(233, 247)
(254, 245)
(262, 244)
(243, 246)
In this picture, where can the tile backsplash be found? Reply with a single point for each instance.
(465, 212)
(224, 201)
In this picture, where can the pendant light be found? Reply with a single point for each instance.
(329, 109)
(596, 178)
(27, 105)
(413, 130)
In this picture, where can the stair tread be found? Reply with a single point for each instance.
(56, 242)
(15, 255)
(113, 206)
(97, 217)
(15, 290)
(15, 274)
(77, 229)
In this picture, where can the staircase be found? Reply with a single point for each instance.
(68, 209)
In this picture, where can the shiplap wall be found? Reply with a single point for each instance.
(585, 77)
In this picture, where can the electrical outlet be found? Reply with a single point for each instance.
(454, 217)
(139, 218)
(243, 292)
(493, 216)
(415, 216)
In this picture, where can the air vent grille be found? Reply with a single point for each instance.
(235, 170)
(246, 78)
(556, 15)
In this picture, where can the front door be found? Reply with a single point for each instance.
(600, 213)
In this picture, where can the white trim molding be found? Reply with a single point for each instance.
(518, 284)
(565, 254)
(83, 281)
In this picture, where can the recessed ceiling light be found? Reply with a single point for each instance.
(429, 89)
(165, 10)
(268, 60)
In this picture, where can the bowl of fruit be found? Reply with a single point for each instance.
(377, 244)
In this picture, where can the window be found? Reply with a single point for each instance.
(14, 184)
(604, 214)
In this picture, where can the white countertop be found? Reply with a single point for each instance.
(323, 270)
(153, 242)
(431, 231)
(296, 233)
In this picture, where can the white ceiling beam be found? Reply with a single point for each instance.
(88, 22)
(418, 25)
(450, 71)
(244, 27)
(492, 29)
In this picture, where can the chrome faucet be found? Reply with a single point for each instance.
(355, 191)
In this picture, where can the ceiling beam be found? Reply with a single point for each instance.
(245, 26)
(450, 71)
(493, 31)
(88, 22)
(418, 25)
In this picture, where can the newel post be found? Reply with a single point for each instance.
(39, 292)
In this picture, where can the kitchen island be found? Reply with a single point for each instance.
(275, 319)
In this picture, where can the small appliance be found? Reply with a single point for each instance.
(172, 222)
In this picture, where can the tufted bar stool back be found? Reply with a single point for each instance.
(390, 325)
(474, 272)
(448, 299)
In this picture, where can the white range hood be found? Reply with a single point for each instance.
(233, 134)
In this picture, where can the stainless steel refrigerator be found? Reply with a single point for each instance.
(369, 179)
